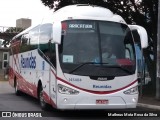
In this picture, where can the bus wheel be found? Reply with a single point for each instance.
(43, 104)
(17, 92)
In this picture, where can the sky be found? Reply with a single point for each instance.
(11, 10)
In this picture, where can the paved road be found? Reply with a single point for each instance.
(10, 102)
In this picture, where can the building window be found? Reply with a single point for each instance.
(5, 59)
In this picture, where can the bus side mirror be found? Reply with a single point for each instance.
(142, 34)
(57, 30)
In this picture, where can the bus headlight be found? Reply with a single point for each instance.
(132, 91)
(66, 90)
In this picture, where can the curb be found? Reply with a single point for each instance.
(154, 107)
(3, 80)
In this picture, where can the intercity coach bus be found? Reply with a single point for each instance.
(64, 62)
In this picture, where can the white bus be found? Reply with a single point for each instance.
(65, 62)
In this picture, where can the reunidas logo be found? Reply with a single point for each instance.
(102, 86)
(28, 62)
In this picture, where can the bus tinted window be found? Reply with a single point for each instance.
(44, 36)
(34, 36)
(38, 37)
(25, 43)
(15, 45)
(45, 33)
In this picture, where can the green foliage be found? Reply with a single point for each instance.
(14, 30)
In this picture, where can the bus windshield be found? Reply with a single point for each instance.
(96, 48)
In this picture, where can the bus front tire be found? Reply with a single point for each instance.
(43, 104)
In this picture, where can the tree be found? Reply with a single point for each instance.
(14, 30)
(141, 12)
(150, 8)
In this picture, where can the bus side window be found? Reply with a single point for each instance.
(45, 33)
(25, 43)
(45, 45)
(15, 45)
(34, 36)
(45, 36)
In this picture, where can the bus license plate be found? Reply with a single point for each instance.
(102, 101)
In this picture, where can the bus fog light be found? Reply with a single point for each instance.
(66, 90)
(132, 91)
(65, 99)
(134, 100)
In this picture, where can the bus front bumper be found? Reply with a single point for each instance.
(94, 102)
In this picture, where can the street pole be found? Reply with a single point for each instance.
(158, 56)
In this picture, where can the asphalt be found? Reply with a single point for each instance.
(149, 102)
(144, 101)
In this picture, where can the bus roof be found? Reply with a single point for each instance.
(85, 11)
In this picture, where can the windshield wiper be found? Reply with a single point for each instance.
(112, 66)
(82, 64)
(119, 66)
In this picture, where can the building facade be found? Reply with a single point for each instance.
(23, 23)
